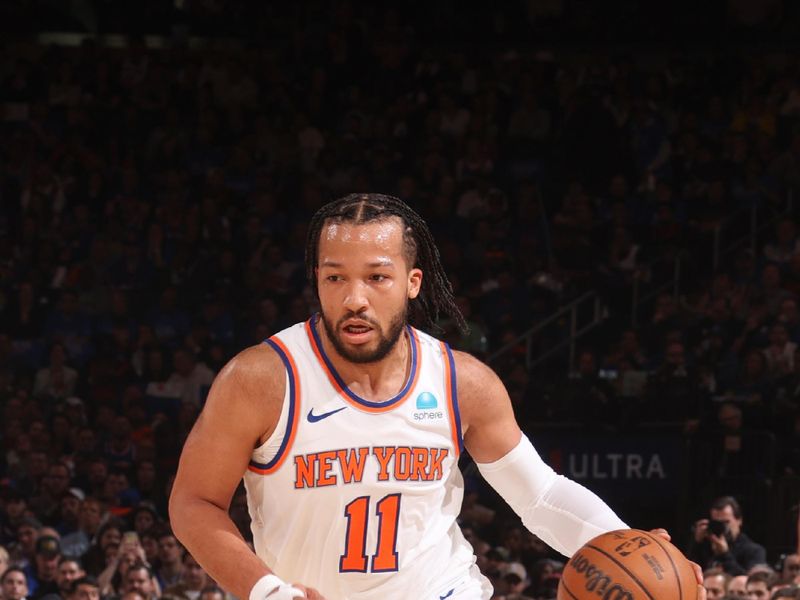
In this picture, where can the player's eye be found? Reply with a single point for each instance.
(377, 277)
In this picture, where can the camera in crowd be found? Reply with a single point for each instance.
(717, 527)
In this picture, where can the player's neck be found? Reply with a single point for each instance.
(376, 381)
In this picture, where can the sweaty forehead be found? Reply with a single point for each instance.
(385, 235)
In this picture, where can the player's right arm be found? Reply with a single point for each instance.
(241, 412)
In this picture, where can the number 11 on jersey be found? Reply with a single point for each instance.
(354, 559)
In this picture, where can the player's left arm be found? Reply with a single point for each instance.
(562, 512)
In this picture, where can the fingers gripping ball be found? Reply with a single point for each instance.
(628, 564)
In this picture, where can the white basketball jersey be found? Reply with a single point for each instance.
(359, 499)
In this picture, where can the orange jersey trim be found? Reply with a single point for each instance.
(294, 410)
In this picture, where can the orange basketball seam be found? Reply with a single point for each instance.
(672, 562)
(566, 589)
(623, 567)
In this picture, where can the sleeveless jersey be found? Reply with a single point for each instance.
(359, 499)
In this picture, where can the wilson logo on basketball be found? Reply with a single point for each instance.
(632, 545)
(597, 581)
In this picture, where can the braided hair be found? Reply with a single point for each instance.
(436, 293)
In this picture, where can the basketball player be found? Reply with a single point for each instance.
(348, 429)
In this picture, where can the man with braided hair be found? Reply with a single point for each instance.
(348, 429)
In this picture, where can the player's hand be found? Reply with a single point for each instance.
(310, 593)
(701, 592)
(698, 572)
(661, 532)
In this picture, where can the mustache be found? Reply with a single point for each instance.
(352, 315)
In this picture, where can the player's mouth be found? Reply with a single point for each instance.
(356, 332)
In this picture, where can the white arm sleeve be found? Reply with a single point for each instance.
(563, 513)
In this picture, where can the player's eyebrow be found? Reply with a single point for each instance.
(383, 262)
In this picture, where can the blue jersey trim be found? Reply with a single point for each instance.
(454, 391)
(351, 394)
(289, 424)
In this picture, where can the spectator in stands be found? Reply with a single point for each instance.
(170, 560)
(34, 472)
(731, 548)
(780, 352)
(13, 584)
(715, 582)
(90, 516)
(109, 535)
(15, 509)
(667, 318)
(140, 578)
(85, 588)
(192, 581)
(475, 340)
(43, 571)
(627, 351)
(144, 517)
(191, 377)
(674, 384)
(758, 585)
(737, 587)
(56, 381)
(588, 397)
(149, 541)
(120, 451)
(96, 475)
(24, 549)
(148, 484)
(790, 569)
(47, 503)
(69, 324)
(129, 553)
(211, 592)
(118, 495)
(752, 389)
(545, 576)
(69, 570)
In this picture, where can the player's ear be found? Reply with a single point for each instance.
(414, 283)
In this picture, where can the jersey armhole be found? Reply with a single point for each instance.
(293, 397)
(450, 385)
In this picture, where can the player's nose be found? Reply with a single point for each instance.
(355, 299)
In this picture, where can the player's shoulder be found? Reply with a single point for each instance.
(254, 367)
(482, 396)
(471, 372)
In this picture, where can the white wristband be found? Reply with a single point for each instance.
(273, 587)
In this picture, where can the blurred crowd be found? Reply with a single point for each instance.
(153, 209)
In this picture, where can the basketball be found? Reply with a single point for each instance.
(628, 564)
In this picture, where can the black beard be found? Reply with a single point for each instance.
(385, 342)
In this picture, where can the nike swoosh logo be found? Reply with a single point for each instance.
(447, 595)
(312, 418)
